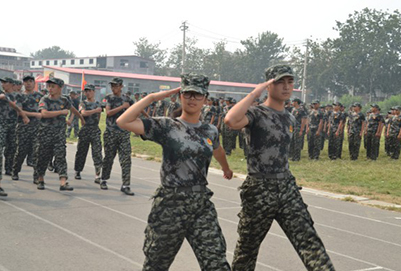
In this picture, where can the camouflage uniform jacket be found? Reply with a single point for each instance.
(314, 118)
(335, 119)
(355, 122)
(115, 101)
(6, 111)
(395, 125)
(172, 107)
(270, 134)
(50, 104)
(299, 115)
(29, 102)
(208, 113)
(91, 120)
(187, 149)
(374, 121)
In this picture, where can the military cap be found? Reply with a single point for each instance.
(194, 82)
(212, 99)
(389, 112)
(337, 104)
(375, 106)
(90, 87)
(297, 100)
(357, 104)
(73, 92)
(7, 80)
(17, 82)
(398, 108)
(116, 80)
(315, 102)
(28, 77)
(56, 81)
(144, 93)
(233, 101)
(278, 71)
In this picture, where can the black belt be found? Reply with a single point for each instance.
(188, 189)
(282, 175)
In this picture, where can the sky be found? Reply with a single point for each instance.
(93, 28)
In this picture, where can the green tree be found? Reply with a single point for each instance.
(152, 51)
(367, 52)
(53, 52)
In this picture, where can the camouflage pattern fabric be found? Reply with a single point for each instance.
(115, 101)
(278, 71)
(51, 141)
(355, 122)
(89, 136)
(265, 200)
(314, 118)
(117, 141)
(11, 145)
(160, 109)
(187, 149)
(270, 137)
(194, 82)
(296, 142)
(74, 125)
(229, 136)
(26, 135)
(373, 142)
(208, 112)
(394, 142)
(47, 103)
(184, 215)
(335, 141)
(7, 130)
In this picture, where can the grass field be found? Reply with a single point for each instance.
(378, 180)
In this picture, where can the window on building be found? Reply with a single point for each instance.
(81, 61)
(143, 64)
(72, 61)
(90, 60)
(33, 63)
(40, 63)
(55, 62)
(63, 62)
(47, 62)
(124, 62)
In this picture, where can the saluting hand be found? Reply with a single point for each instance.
(161, 95)
(262, 87)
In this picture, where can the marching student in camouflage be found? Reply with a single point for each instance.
(373, 132)
(172, 106)
(314, 129)
(26, 134)
(116, 139)
(89, 135)
(301, 119)
(73, 120)
(51, 135)
(356, 126)
(7, 105)
(394, 133)
(182, 208)
(344, 116)
(387, 123)
(326, 115)
(270, 191)
(208, 114)
(160, 109)
(334, 131)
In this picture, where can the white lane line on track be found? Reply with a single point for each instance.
(73, 234)
(369, 269)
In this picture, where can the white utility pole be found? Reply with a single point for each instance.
(183, 27)
(303, 87)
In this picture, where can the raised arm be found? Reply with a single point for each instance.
(129, 119)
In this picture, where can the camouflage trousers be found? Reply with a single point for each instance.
(387, 144)
(334, 146)
(354, 144)
(7, 130)
(26, 138)
(74, 125)
(89, 135)
(229, 137)
(265, 200)
(183, 215)
(394, 146)
(10, 145)
(117, 141)
(313, 144)
(51, 142)
(296, 145)
(372, 146)
(341, 145)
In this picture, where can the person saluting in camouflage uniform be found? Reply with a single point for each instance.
(116, 139)
(182, 207)
(356, 126)
(51, 135)
(89, 135)
(269, 191)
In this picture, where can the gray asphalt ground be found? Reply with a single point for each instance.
(92, 229)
